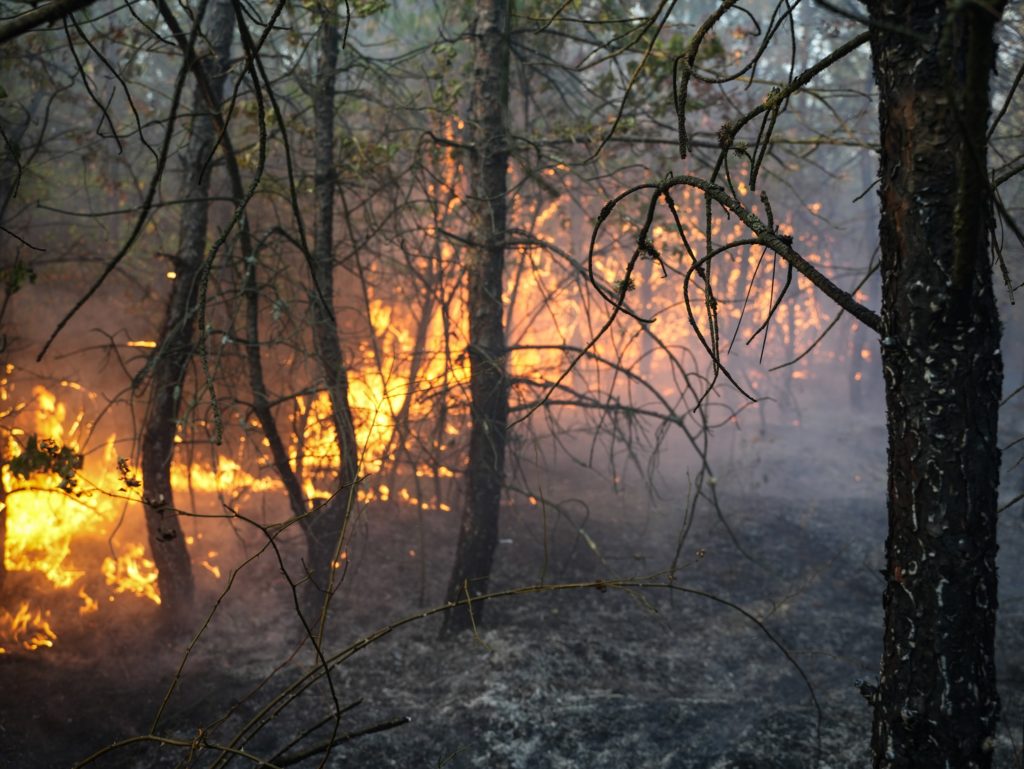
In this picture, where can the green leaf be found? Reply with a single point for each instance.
(44, 456)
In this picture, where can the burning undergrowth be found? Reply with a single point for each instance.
(68, 549)
(554, 678)
(602, 674)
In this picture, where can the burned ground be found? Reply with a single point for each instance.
(596, 676)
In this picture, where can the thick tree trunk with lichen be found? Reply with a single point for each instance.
(325, 525)
(936, 703)
(478, 536)
(176, 343)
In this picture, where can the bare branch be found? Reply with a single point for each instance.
(37, 17)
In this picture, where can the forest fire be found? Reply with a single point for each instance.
(59, 518)
(406, 393)
(510, 370)
(59, 514)
(417, 363)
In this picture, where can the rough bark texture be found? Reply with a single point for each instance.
(936, 703)
(478, 536)
(325, 525)
(176, 343)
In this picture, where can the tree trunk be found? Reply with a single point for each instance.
(3, 515)
(936, 704)
(478, 536)
(325, 526)
(176, 343)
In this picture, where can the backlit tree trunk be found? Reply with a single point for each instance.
(325, 526)
(478, 536)
(176, 343)
(936, 704)
(3, 516)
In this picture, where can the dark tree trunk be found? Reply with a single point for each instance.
(176, 343)
(936, 703)
(478, 536)
(261, 401)
(325, 525)
(3, 516)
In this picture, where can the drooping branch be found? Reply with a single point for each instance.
(683, 69)
(766, 235)
(778, 96)
(783, 246)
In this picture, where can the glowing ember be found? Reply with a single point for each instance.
(89, 604)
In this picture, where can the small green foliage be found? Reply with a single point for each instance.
(625, 285)
(44, 456)
(15, 276)
(445, 51)
(365, 8)
(446, 95)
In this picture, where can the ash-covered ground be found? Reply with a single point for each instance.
(751, 662)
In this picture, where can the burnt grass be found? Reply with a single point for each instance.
(592, 676)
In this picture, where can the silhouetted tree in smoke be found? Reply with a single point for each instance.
(488, 169)
(936, 702)
(176, 345)
(325, 525)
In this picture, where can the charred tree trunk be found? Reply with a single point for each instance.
(478, 536)
(325, 526)
(936, 704)
(176, 343)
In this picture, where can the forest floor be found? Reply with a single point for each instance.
(752, 663)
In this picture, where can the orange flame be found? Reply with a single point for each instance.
(52, 530)
(132, 572)
(26, 628)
